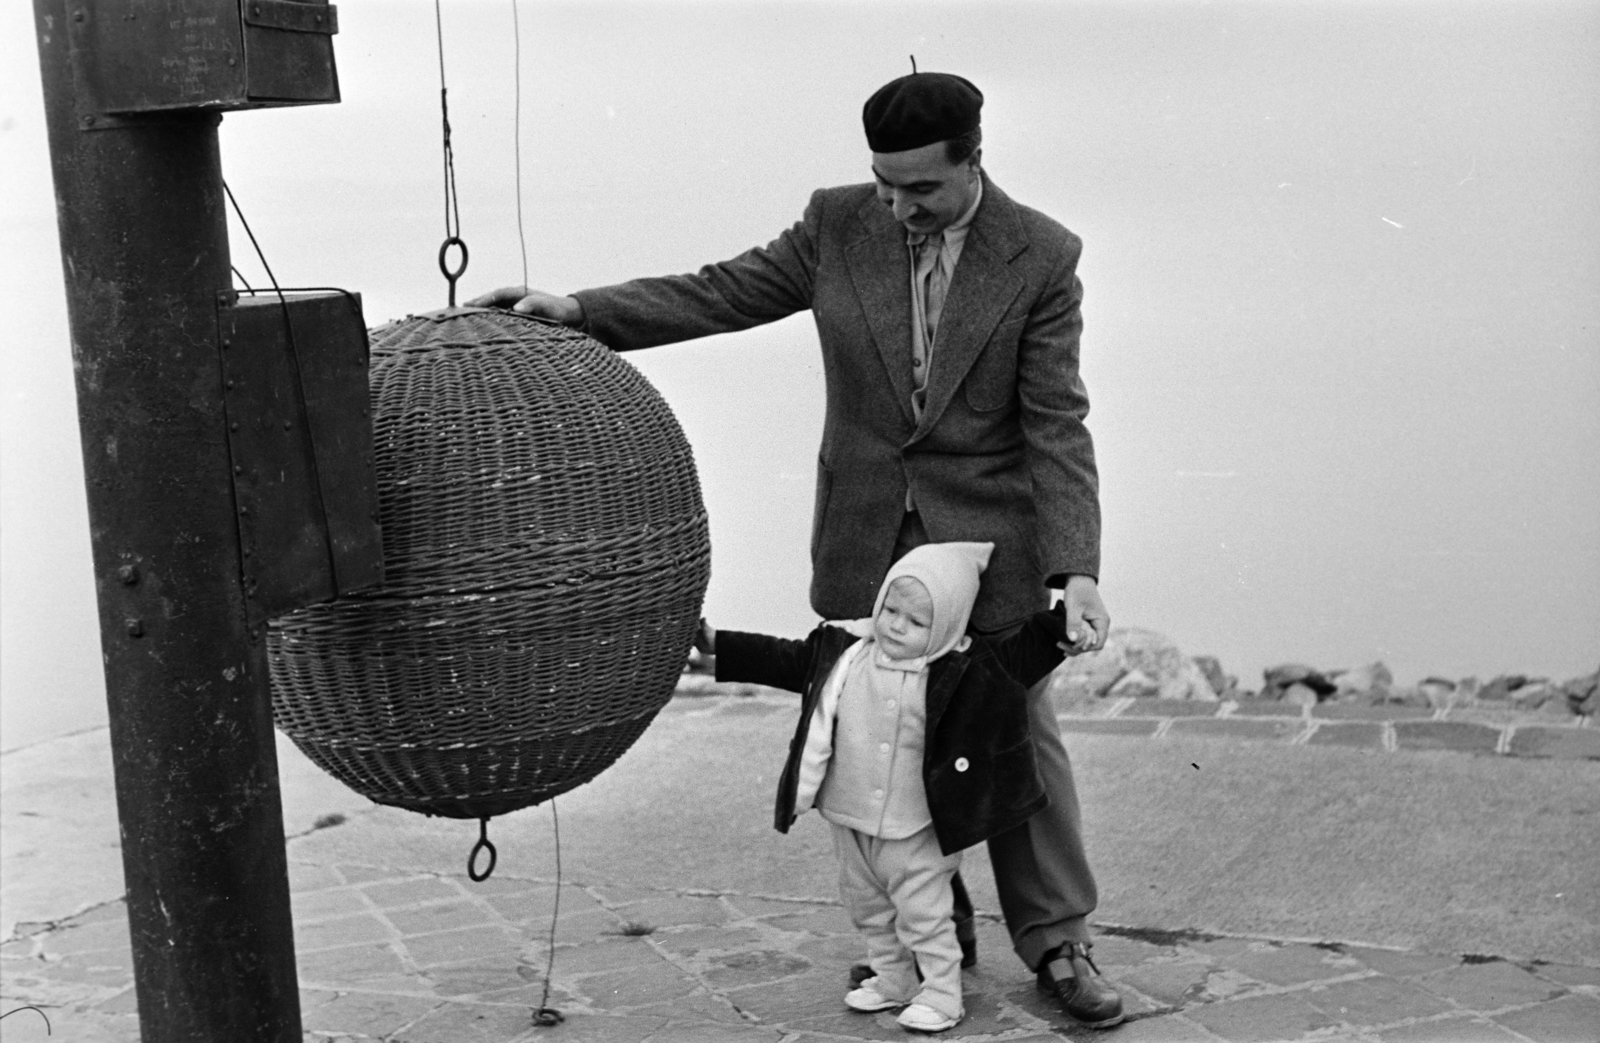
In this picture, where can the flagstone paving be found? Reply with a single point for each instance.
(395, 954)
(427, 958)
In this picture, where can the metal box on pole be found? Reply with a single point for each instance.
(147, 56)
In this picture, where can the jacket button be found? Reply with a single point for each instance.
(961, 764)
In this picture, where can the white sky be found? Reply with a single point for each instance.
(1342, 267)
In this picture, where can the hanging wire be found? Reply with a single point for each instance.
(545, 1015)
(241, 278)
(452, 204)
(294, 356)
(516, 41)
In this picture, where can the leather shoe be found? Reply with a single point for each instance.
(1064, 974)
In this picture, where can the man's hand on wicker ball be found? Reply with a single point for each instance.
(705, 639)
(565, 310)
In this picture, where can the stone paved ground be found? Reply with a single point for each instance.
(427, 958)
(390, 948)
(1390, 728)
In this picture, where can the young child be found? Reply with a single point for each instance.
(913, 744)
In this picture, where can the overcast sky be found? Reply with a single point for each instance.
(1342, 265)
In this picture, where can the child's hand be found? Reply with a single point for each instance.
(705, 639)
(1087, 621)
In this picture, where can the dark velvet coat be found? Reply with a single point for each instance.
(977, 712)
(1001, 454)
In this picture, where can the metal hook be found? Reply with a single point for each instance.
(482, 845)
(444, 266)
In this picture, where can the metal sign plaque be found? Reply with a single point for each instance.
(145, 56)
(300, 441)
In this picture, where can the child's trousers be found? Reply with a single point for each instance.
(898, 894)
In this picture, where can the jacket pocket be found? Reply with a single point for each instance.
(819, 512)
(992, 381)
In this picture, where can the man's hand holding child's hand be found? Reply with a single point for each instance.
(1088, 622)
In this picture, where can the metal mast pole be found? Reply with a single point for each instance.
(145, 251)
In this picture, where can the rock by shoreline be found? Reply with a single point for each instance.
(1141, 663)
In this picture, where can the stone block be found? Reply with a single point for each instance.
(813, 995)
(712, 1032)
(346, 930)
(1568, 973)
(1238, 728)
(1567, 1019)
(735, 969)
(1489, 986)
(1109, 725)
(1446, 735)
(1261, 1019)
(1401, 964)
(77, 937)
(1172, 708)
(1163, 1028)
(1364, 734)
(468, 1023)
(395, 894)
(472, 944)
(635, 987)
(342, 968)
(602, 954)
(476, 979)
(444, 916)
(1267, 708)
(312, 906)
(1375, 1001)
(1291, 964)
(1567, 743)
(1368, 711)
(366, 1014)
(1112, 950)
(304, 877)
(670, 910)
(1466, 1029)
(1174, 984)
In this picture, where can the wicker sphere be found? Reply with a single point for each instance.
(545, 551)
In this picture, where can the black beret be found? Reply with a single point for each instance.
(919, 110)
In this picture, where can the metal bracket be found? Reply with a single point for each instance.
(292, 16)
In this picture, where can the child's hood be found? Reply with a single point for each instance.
(951, 573)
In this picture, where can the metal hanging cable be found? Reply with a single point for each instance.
(516, 136)
(544, 1015)
(452, 205)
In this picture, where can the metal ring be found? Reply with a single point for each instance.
(444, 267)
(482, 845)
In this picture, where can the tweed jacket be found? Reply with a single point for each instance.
(1001, 453)
(977, 714)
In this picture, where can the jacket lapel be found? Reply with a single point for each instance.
(880, 271)
(981, 290)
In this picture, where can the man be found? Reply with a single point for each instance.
(948, 317)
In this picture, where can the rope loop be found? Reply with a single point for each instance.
(482, 845)
(548, 1017)
(444, 263)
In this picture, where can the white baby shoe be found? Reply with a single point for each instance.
(867, 999)
(919, 1018)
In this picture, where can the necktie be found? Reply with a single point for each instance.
(935, 279)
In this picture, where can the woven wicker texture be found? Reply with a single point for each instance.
(546, 553)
